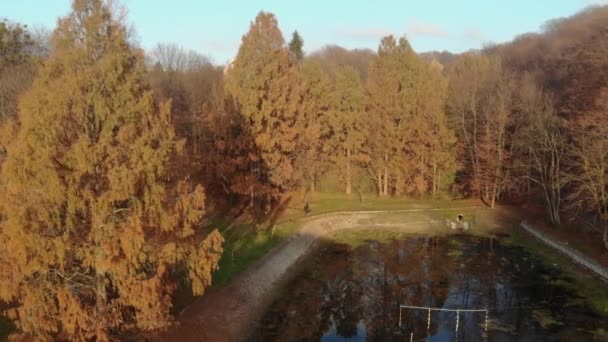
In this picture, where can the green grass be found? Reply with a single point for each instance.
(590, 287)
(246, 243)
(332, 202)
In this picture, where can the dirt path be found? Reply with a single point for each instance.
(227, 313)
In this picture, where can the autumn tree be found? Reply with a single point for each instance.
(93, 222)
(266, 89)
(21, 50)
(316, 102)
(480, 103)
(409, 141)
(391, 94)
(296, 45)
(540, 146)
(17, 70)
(332, 58)
(588, 163)
(344, 120)
(436, 141)
(195, 88)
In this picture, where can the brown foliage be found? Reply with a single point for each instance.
(92, 217)
(480, 103)
(333, 57)
(409, 141)
(267, 89)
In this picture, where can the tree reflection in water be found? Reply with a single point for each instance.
(346, 294)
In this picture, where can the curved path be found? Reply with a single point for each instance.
(227, 313)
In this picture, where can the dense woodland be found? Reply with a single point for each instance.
(110, 155)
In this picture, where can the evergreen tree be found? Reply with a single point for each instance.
(315, 106)
(431, 142)
(296, 46)
(391, 90)
(410, 145)
(92, 223)
(266, 88)
(345, 122)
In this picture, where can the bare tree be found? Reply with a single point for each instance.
(588, 160)
(175, 58)
(540, 146)
(480, 104)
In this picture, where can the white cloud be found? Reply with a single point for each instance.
(475, 34)
(416, 28)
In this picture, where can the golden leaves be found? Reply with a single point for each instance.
(203, 261)
(92, 218)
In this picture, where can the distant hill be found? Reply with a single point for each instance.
(569, 57)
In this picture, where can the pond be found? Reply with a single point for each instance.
(357, 294)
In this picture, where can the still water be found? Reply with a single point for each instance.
(357, 294)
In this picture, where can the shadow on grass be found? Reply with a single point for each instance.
(6, 327)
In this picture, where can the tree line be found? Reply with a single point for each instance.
(110, 156)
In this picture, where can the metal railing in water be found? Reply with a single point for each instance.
(458, 311)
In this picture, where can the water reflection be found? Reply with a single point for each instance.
(332, 335)
(356, 295)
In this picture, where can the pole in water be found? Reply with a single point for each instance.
(485, 325)
(428, 326)
(457, 321)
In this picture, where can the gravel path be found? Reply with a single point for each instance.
(574, 255)
(227, 313)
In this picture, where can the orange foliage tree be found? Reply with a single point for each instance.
(315, 104)
(345, 122)
(266, 87)
(93, 222)
(410, 143)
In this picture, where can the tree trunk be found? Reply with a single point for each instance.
(385, 191)
(268, 204)
(604, 225)
(398, 187)
(493, 194)
(606, 236)
(379, 173)
(434, 179)
(348, 173)
(556, 219)
(252, 199)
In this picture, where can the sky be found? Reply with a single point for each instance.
(214, 28)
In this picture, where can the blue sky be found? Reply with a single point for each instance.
(214, 28)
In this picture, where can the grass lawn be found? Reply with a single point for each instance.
(589, 286)
(246, 244)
